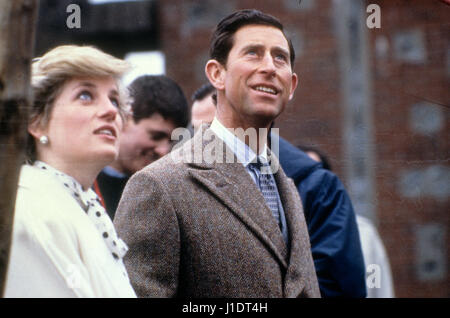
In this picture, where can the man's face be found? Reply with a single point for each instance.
(144, 142)
(258, 79)
(203, 111)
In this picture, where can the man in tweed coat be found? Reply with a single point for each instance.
(202, 227)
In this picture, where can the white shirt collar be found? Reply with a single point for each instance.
(110, 171)
(244, 153)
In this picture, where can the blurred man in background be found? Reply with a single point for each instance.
(203, 105)
(159, 106)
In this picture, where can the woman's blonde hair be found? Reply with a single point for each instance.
(50, 72)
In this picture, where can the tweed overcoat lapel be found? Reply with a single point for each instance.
(231, 184)
(298, 233)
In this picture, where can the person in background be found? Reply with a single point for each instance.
(332, 229)
(372, 246)
(203, 106)
(331, 220)
(64, 244)
(375, 255)
(215, 228)
(159, 106)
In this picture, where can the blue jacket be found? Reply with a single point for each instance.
(334, 236)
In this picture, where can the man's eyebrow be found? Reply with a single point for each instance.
(158, 134)
(258, 46)
(251, 46)
(156, 131)
(281, 49)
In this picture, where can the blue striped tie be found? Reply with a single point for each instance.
(267, 185)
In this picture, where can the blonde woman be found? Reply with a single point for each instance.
(64, 244)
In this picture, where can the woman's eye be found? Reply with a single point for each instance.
(85, 96)
(115, 102)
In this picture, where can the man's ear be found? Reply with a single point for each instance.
(294, 85)
(215, 72)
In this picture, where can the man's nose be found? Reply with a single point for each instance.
(267, 64)
(163, 148)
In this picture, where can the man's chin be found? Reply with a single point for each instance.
(267, 112)
(264, 118)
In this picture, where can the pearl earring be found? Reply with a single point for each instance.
(43, 140)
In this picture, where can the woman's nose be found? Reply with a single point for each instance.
(108, 109)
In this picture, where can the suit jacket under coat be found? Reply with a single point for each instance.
(203, 230)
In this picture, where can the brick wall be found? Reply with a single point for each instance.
(410, 81)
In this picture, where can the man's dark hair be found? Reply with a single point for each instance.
(202, 92)
(222, 39)
(159, 94)
(323, 158)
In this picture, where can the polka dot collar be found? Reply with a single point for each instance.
(90, 203)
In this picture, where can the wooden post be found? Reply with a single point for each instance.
(17, 28)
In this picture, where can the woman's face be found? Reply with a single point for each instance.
(84, 125)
